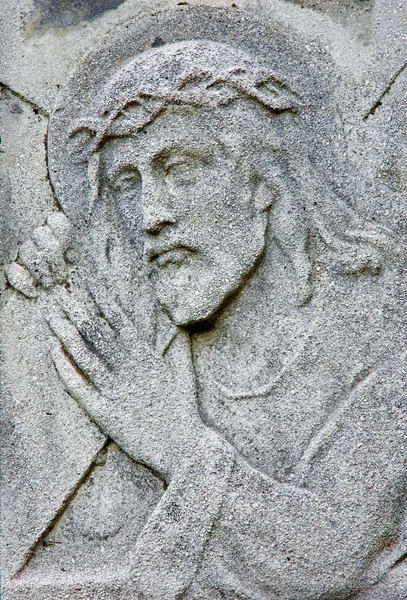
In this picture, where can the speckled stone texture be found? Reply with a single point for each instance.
(203, 324)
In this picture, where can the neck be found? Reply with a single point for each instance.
(256, 334)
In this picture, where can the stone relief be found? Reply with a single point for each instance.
(230, 323)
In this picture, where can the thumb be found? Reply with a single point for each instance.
(20, 279)
(179, 359)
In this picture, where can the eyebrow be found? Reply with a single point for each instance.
(163, 154)
(195, 151)
(122, 168)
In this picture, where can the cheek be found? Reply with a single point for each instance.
(199, 203)
(129, 208)
(130, 219)
(232, 210)
(214, 205)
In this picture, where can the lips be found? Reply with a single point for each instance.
(171, 254)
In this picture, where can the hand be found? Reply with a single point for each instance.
(43, 261)
(145, 402)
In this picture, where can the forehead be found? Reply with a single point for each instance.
(176, 130)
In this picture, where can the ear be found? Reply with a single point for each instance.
(267, 184)
(81, 142)
(264, 195)
(290, 228)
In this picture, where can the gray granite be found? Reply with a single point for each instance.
(203, 300)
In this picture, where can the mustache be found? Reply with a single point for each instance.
(153, 250)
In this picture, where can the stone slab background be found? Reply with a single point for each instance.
(40, 40)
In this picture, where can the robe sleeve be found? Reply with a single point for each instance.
(223, 527)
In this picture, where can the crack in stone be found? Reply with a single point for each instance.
(37, 109)
(64, 505)
(401, 559)
(384, 93)
(48, 176)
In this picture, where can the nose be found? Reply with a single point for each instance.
(157, 212)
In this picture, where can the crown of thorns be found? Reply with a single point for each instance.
(133, 106)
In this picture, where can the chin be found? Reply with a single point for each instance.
(196, 292)
(192, 304)
(185, 310)
(185, 316)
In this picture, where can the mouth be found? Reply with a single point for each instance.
(176, 255)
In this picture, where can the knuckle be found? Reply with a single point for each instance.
(44, 238)
(60, 226)
(27, 252)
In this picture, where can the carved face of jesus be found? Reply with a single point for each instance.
(181, 186)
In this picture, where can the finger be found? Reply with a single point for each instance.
(82, 356)
(94, 330)
(77, 387)
(31, 257)
(60, 227)
(120, 319)
(63, 230)
(110, 310)
(182, 376)
(52, 253)
(20, 279)
(44, 239)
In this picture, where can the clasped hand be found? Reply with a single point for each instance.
(144, 401)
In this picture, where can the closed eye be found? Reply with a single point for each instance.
(184, 168)
(126, 181)
(178, 167)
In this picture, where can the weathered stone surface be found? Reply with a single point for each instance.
(47, 13)
(203, 327)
